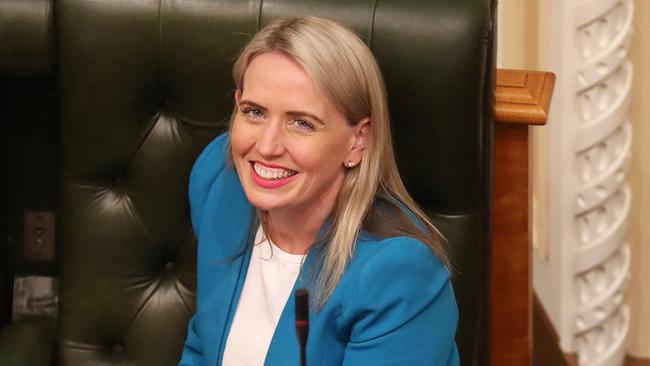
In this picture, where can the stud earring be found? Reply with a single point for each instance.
(350, 164)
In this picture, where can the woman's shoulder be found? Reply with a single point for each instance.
(211, 159)
(397, 268)
(211, 176)
(393, 282)
(400, 268)
(377, 254)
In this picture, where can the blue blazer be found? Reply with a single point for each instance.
(393, 306)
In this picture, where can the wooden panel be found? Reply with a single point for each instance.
(511, 294)
(523, 96)
(522, 99)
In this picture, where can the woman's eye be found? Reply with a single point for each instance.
(302, 124)
(253, 113)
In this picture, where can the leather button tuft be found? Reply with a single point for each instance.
(120, 181)
(118, 348)
(169, 266)
(165, 106)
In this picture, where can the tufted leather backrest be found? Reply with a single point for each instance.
(143, 85)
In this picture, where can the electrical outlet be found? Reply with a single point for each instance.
(38, 238)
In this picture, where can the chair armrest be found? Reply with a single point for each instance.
(523, 96)
(27, 343)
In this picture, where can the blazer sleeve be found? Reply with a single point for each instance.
(401, 310)
(204, 173)
(193, 348)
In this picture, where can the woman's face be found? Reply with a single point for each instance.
(289, 143)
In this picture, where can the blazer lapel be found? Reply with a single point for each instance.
(225, 255)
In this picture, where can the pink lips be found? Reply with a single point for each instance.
(268, 183)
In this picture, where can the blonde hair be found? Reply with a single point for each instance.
(372, 197)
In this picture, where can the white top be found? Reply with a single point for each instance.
(269, 280)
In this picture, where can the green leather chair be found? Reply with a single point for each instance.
(142, 86)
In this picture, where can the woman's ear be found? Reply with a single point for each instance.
(361, 133)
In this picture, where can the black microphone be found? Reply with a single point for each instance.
(302, 322)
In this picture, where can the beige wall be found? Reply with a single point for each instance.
(639, 235)
(518, 41)
(521, 45)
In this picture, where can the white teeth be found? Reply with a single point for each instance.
(272, 173)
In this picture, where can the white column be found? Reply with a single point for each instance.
(582, 277)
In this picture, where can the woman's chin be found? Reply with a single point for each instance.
(264, 203)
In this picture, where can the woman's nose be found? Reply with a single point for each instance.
(270, 142)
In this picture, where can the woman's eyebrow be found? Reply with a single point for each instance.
(289, 113)
(252, 104)
(306, 114)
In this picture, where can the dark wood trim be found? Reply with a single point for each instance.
(546, 345)
(523, 96)
(632, 361)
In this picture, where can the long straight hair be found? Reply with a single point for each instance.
(373, 197)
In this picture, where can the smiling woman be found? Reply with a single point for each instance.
(312, 162)
(289, 145)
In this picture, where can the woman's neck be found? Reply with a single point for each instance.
(295, 231)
